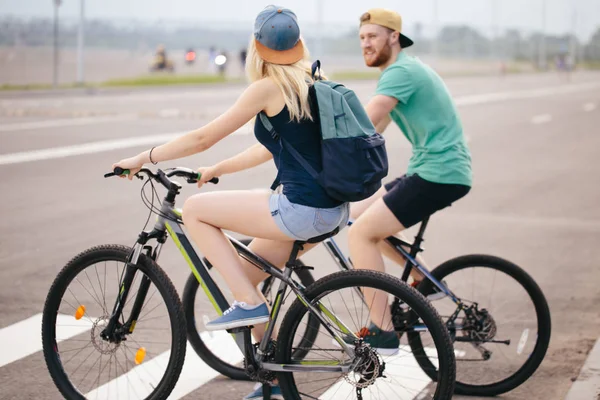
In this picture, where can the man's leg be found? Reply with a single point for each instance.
(358, 208)
(364, 236)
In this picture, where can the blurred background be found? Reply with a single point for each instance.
(66, 42)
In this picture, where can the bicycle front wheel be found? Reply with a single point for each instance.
(502, 330)
(383, 367)
(142, 360)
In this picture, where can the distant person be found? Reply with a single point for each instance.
(212, 55)
(222, 66)
(243, 54)
(411, 94)
(161, 57)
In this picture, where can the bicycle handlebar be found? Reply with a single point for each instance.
(162, 177)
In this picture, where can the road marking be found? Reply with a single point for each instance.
(97, 147)
(23, 338)
(587, 385)
(541, 119)
(522, 94)
(94, 147)
(57, 123)
(589, 107)
(194, 374)
(169, 113)
(86, 148)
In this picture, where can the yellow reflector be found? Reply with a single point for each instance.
(140, 355)
(80, 312)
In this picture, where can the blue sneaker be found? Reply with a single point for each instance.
(257, 393)
(238, 315)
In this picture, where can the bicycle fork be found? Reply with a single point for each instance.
(115, 332)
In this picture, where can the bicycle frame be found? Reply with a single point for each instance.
(169, 223)
(400, 246)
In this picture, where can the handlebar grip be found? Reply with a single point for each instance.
(118, 171)
(214, 180)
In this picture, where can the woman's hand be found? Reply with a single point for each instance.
(207, 173)
(133, 164)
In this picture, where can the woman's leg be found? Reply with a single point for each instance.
(245, 212)
(365, 235)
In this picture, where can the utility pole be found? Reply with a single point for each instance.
(494, 23)
(573, 42)
(80, 38)
(434, 41)
(55, 70)
(319, 44)
(542, 54)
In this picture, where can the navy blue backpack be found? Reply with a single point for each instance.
(354, 158)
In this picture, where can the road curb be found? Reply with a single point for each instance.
(587, 385)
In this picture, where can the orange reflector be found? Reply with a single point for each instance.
(80, 312)
(140, 355)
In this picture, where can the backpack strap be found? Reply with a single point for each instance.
(316, 67)
(269, 127)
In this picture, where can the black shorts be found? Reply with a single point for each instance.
(411, 198)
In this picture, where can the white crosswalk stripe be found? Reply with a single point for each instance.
(23, 339)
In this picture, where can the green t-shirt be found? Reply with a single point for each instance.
(428, 118)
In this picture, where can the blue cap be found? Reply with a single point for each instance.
(277, 36)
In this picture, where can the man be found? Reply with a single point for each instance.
(439, 172)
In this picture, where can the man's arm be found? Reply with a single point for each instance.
(379, 109)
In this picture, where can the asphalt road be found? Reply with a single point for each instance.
(535, 201)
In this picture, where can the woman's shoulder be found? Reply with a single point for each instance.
(266, 85)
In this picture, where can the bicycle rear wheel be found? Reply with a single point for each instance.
(209, 345)
(502, 336)
(146, 360)
(375, 375)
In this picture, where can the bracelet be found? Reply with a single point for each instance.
(150, 156)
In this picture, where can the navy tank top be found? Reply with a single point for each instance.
(305, 136)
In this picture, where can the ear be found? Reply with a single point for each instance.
(394, 37)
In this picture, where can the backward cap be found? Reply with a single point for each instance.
(277, 35)
(388, 19)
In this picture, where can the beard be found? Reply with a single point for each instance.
(381, 57)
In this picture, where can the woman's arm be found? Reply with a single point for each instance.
(252, 101)
(251, 157)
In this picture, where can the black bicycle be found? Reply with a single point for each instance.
(496, 314)
(113, 325)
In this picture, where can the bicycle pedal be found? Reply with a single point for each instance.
(240, 329)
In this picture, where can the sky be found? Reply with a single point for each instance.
(561, 16)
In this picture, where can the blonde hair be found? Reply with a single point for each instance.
(293, 79)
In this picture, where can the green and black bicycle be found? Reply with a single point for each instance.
(114, 327)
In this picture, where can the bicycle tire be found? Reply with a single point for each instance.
(540, 305)
(360, 278)
(216, 363)
(166, 289)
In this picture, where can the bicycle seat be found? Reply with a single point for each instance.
(320, 238)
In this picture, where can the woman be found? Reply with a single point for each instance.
(279, 70)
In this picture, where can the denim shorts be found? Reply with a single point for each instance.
(302, 222)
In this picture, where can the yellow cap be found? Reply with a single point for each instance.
(386, 18)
